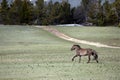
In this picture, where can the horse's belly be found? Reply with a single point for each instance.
(83, 53)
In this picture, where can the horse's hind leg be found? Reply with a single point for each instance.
(96, 60)
(88, 58)
(79, 59)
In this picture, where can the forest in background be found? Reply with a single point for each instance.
(92, 12)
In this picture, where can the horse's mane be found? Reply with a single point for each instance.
(77, 46)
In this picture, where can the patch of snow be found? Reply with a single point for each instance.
(75, 25)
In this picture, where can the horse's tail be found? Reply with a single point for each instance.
(94, 53)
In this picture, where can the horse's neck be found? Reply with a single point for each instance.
(77, 49)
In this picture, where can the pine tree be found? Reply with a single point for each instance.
(26, 15)
(40, 11)
(50, 6)
(0, 15)
(16, 12)
(66, 12)
(100, 14)
(49, 17)
(92, 13)
(78, 15)
(117, 7)
(21, 12)
(85, 4)
(4, 12)
(110, 14)
(56, 13)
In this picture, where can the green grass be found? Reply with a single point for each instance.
(106, 35)
(28, 53)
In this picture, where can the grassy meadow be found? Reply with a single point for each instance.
(29, 53)
(106, 35)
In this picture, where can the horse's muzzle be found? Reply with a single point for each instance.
(72, 49)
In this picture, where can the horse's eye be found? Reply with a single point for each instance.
(73, 48)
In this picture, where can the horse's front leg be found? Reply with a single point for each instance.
(88, 58)
(74, 57)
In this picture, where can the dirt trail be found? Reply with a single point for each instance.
(68, 38)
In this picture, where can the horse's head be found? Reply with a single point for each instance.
(75, 47)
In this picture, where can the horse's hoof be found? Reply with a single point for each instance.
(72, 59)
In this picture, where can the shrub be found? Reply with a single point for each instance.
(119, 25)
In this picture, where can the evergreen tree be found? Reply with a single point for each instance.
(65, 13)
(72, 15)
(4, 12)
(16, 12)
(0, 15)
(107, 9)
(78, 15)
(92, 13)
(21, 12)
(26, 15)
(49, 16)
(39, 11)
(56, 13)
(85, 4)
(100, 14)
(110, 15)
(117, 7)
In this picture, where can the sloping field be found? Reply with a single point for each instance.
(105, 35)
(28, 53)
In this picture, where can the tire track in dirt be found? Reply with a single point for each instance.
(68, 38)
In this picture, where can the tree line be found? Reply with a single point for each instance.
(21, 12)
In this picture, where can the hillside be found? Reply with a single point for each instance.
(30, 53)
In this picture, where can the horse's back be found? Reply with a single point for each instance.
(86, 51)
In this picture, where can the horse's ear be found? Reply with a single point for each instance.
(79, 46)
